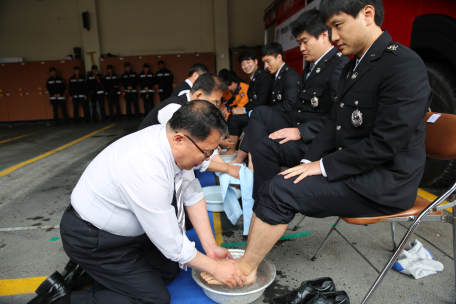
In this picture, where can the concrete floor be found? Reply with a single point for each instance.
(37, 194)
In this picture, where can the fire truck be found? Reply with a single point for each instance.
(427, 27)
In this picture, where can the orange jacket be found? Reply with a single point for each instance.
(240, 97)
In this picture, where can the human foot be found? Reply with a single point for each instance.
(250, 278)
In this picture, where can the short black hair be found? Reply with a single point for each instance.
(274, 49)
(311, 22)
(199, 68)
(328, 8)
(229, 78)
(197, 119)
(223, 72)
(208, 83)
(247, 55)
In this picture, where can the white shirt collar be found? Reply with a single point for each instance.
(188, 96)
(277, 74)
(189, 82)
(316, 62)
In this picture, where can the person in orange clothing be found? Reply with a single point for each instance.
(239, 92)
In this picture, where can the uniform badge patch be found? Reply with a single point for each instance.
(357, 118)
(279, 96)
(392, 47)
(314, 101)
(242, 94)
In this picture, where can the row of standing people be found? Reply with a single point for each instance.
(95, 87)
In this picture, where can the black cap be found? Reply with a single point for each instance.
(94, 67)
(127, 64)
(146, 65)
(109, 66)
(161, 62)
(76, 68)
(51, 69)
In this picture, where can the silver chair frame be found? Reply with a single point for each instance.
(416, 220)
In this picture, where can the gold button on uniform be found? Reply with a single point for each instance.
(356, 103)
(298, 123)
(339, 148)
(299, 111)
(338, 128)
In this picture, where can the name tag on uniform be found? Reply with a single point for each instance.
(433, 118)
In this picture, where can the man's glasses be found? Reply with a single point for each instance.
(205, 154)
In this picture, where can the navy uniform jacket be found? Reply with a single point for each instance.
(318, 93)
(164, 80)
(129, 80)
(110, 81)
(373, 139)
(184, 86)
(146, 81)
(152, 118)
(56, 85)
(95, 85)
(259, 92)
(78, 86)
(285, 90)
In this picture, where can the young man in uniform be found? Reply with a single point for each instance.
(146, 83)
(195, 71)
(78, 95)
(284, 97)
(164, 80)
(369, 157)
(111, 85)
(129, 80)
(96, 92)
(56, 88)
(286, 137)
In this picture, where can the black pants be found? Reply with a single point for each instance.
(55, 106)
(85, 107)
(94, 99)
(113, 100)
(148, 99)
(264, 121)
(130, 269)
(129, 98)
(237, 123)
(165, 94)
(280, 199)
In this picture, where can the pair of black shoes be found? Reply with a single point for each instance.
(58, 286)
(318, 291)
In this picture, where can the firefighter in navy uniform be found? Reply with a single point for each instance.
(56, 88)
(112, 90)
(129, 80)
(78, 95)
(96, 92)
(146, 83)
(288, 142)
(164, 79)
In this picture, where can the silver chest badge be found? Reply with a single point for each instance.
(357, 118)
(314, 102)
(279, 96)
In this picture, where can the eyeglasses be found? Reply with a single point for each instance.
(205, 154)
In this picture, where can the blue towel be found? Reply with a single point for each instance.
(230, 202)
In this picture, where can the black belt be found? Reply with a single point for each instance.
(76, 214)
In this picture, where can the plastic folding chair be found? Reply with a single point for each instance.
(440, 144)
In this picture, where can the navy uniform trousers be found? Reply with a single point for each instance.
(126, 269)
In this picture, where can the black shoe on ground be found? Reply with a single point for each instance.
(331, 297)
(75, 277)
(306, 291)
(51, 290)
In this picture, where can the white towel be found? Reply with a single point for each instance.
(417, 261)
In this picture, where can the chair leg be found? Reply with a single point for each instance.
(393, 232)
(334, 227)
(391, 261)
(299, 223)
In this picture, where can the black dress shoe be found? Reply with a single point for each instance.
(331, 297)
(51, 290)
(306, 291)
(75, 277)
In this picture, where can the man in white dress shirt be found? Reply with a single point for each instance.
(121, 227)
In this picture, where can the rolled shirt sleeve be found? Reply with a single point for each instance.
(149, 196)
(193, 193)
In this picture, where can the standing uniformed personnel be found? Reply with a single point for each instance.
(369, 157)
(129, 80)
(284, 96)
(96, 92)
(288, 142)
(146, 83)
(56, 88)
(111, 85)
(164, 80)
(78, 94)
